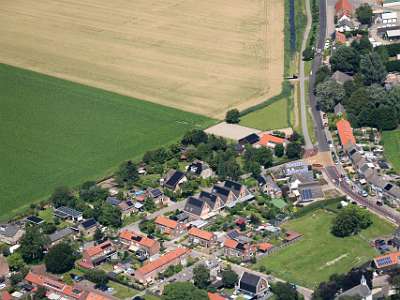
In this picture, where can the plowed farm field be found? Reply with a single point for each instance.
(201, 56)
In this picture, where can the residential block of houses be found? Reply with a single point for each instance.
(134, 241)
(201, 237)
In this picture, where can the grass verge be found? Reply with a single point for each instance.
(391, 142)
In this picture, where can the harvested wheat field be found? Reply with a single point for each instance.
(201, 56)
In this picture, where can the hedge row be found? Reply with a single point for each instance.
(317, 205)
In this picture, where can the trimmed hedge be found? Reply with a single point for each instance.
(317, 205)
(392, 66)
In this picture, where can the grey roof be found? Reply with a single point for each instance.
(70, 212)
(174, 179)
(221, 192)
(196, 168)
(341, 77)
(339, 109)
(211, 199)
(113, 201)
(361, 290)
(313, 190)
(305, 177)
(89, 223)
(60, 234)
(249, 282)
(155, 193)
(194, 206)
(392, 190)
(9, 230)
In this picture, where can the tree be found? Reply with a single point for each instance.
(149, 204)
(60, 259)
(48, 228)
(15, 261)
(372, 69)
(201, 276)
(362, 45)
(97, 276)
(344, 59)
(91, 192)
(127, 174)
(40, 293)
(98, 234)
(285, 291)
(293, 150)
(183, 290)
(308, 54)
(253, 167)
(232, 116)
(229, 278)
(254, 219)
(323, 73)
(32, 245)
(62, 196)
(350, 221)
(279, 150)
(110, 216)
(364, 14)
(194, 137)
(159, 156)
(328, 94)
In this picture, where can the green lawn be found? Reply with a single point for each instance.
(55, 132)
(121, 291)
(273, 116)
(319, 254)
(391, 142)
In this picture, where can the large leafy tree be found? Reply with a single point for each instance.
(232, 116)
(91, 192)
(364, 14)
(63, 196)
(372, 69)
(350, 221)
(229, 278)
(328, 94)
(201, 276)
(183, 290)
(60, 259)
(294, 150)
(194, 137)
(285, 291)
(323, 73)
(127, 174)
(344, 59)
(110, 215)
(33, 244)
(98, 277)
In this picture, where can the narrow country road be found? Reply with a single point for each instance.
(303, 103)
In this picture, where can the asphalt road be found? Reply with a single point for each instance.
(319, 129)
(303, 104)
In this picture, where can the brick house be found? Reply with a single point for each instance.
(134, 241)
(96, 255)
(233, 248)
(201, 237)
(149, 271)
(169, 227)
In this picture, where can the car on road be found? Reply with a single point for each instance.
(379, 203)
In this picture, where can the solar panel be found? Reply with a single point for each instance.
(384, 261)
(306, 194)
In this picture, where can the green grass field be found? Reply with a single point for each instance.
(319, 254)
(391, 142)
(54, 132)
(273, 116)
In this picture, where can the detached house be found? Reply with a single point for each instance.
(243, 250)
(169, 227)
(270, 141)
(134, 241)
(201, 237)
(201, 169)
(174, 179)
(253, 285)
(88, 227)
(10, 234)
(67, 213)
(149, 271)
(96, 255)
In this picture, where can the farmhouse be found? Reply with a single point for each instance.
(134, 241)
(252, 285)
(250, 139)
(270, 141)
(96, 255)
(149, 271)
(169, 227)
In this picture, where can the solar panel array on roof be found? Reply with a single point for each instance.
(35, 219)
(155, 193)
(69, 211)
(384, 261)
(175, 178)
(306, 194)
(89, 223)
(388, 187)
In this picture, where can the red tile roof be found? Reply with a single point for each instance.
(205, 235)
(387, 260)
(215, 296)
(343, 6)
(228, 243)
(95, 250)
(269, 138)
(53, 284)
(95, 296)
(265, 246)
(166, 222)
(144, 241)
(345, 132)
(5, 296)
(340, 37)
(163, 260)
(292, 235)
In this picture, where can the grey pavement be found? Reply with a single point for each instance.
(303, 104)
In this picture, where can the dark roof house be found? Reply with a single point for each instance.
(250, 139)
(252, 284)
(64, 212)
(174, 179)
